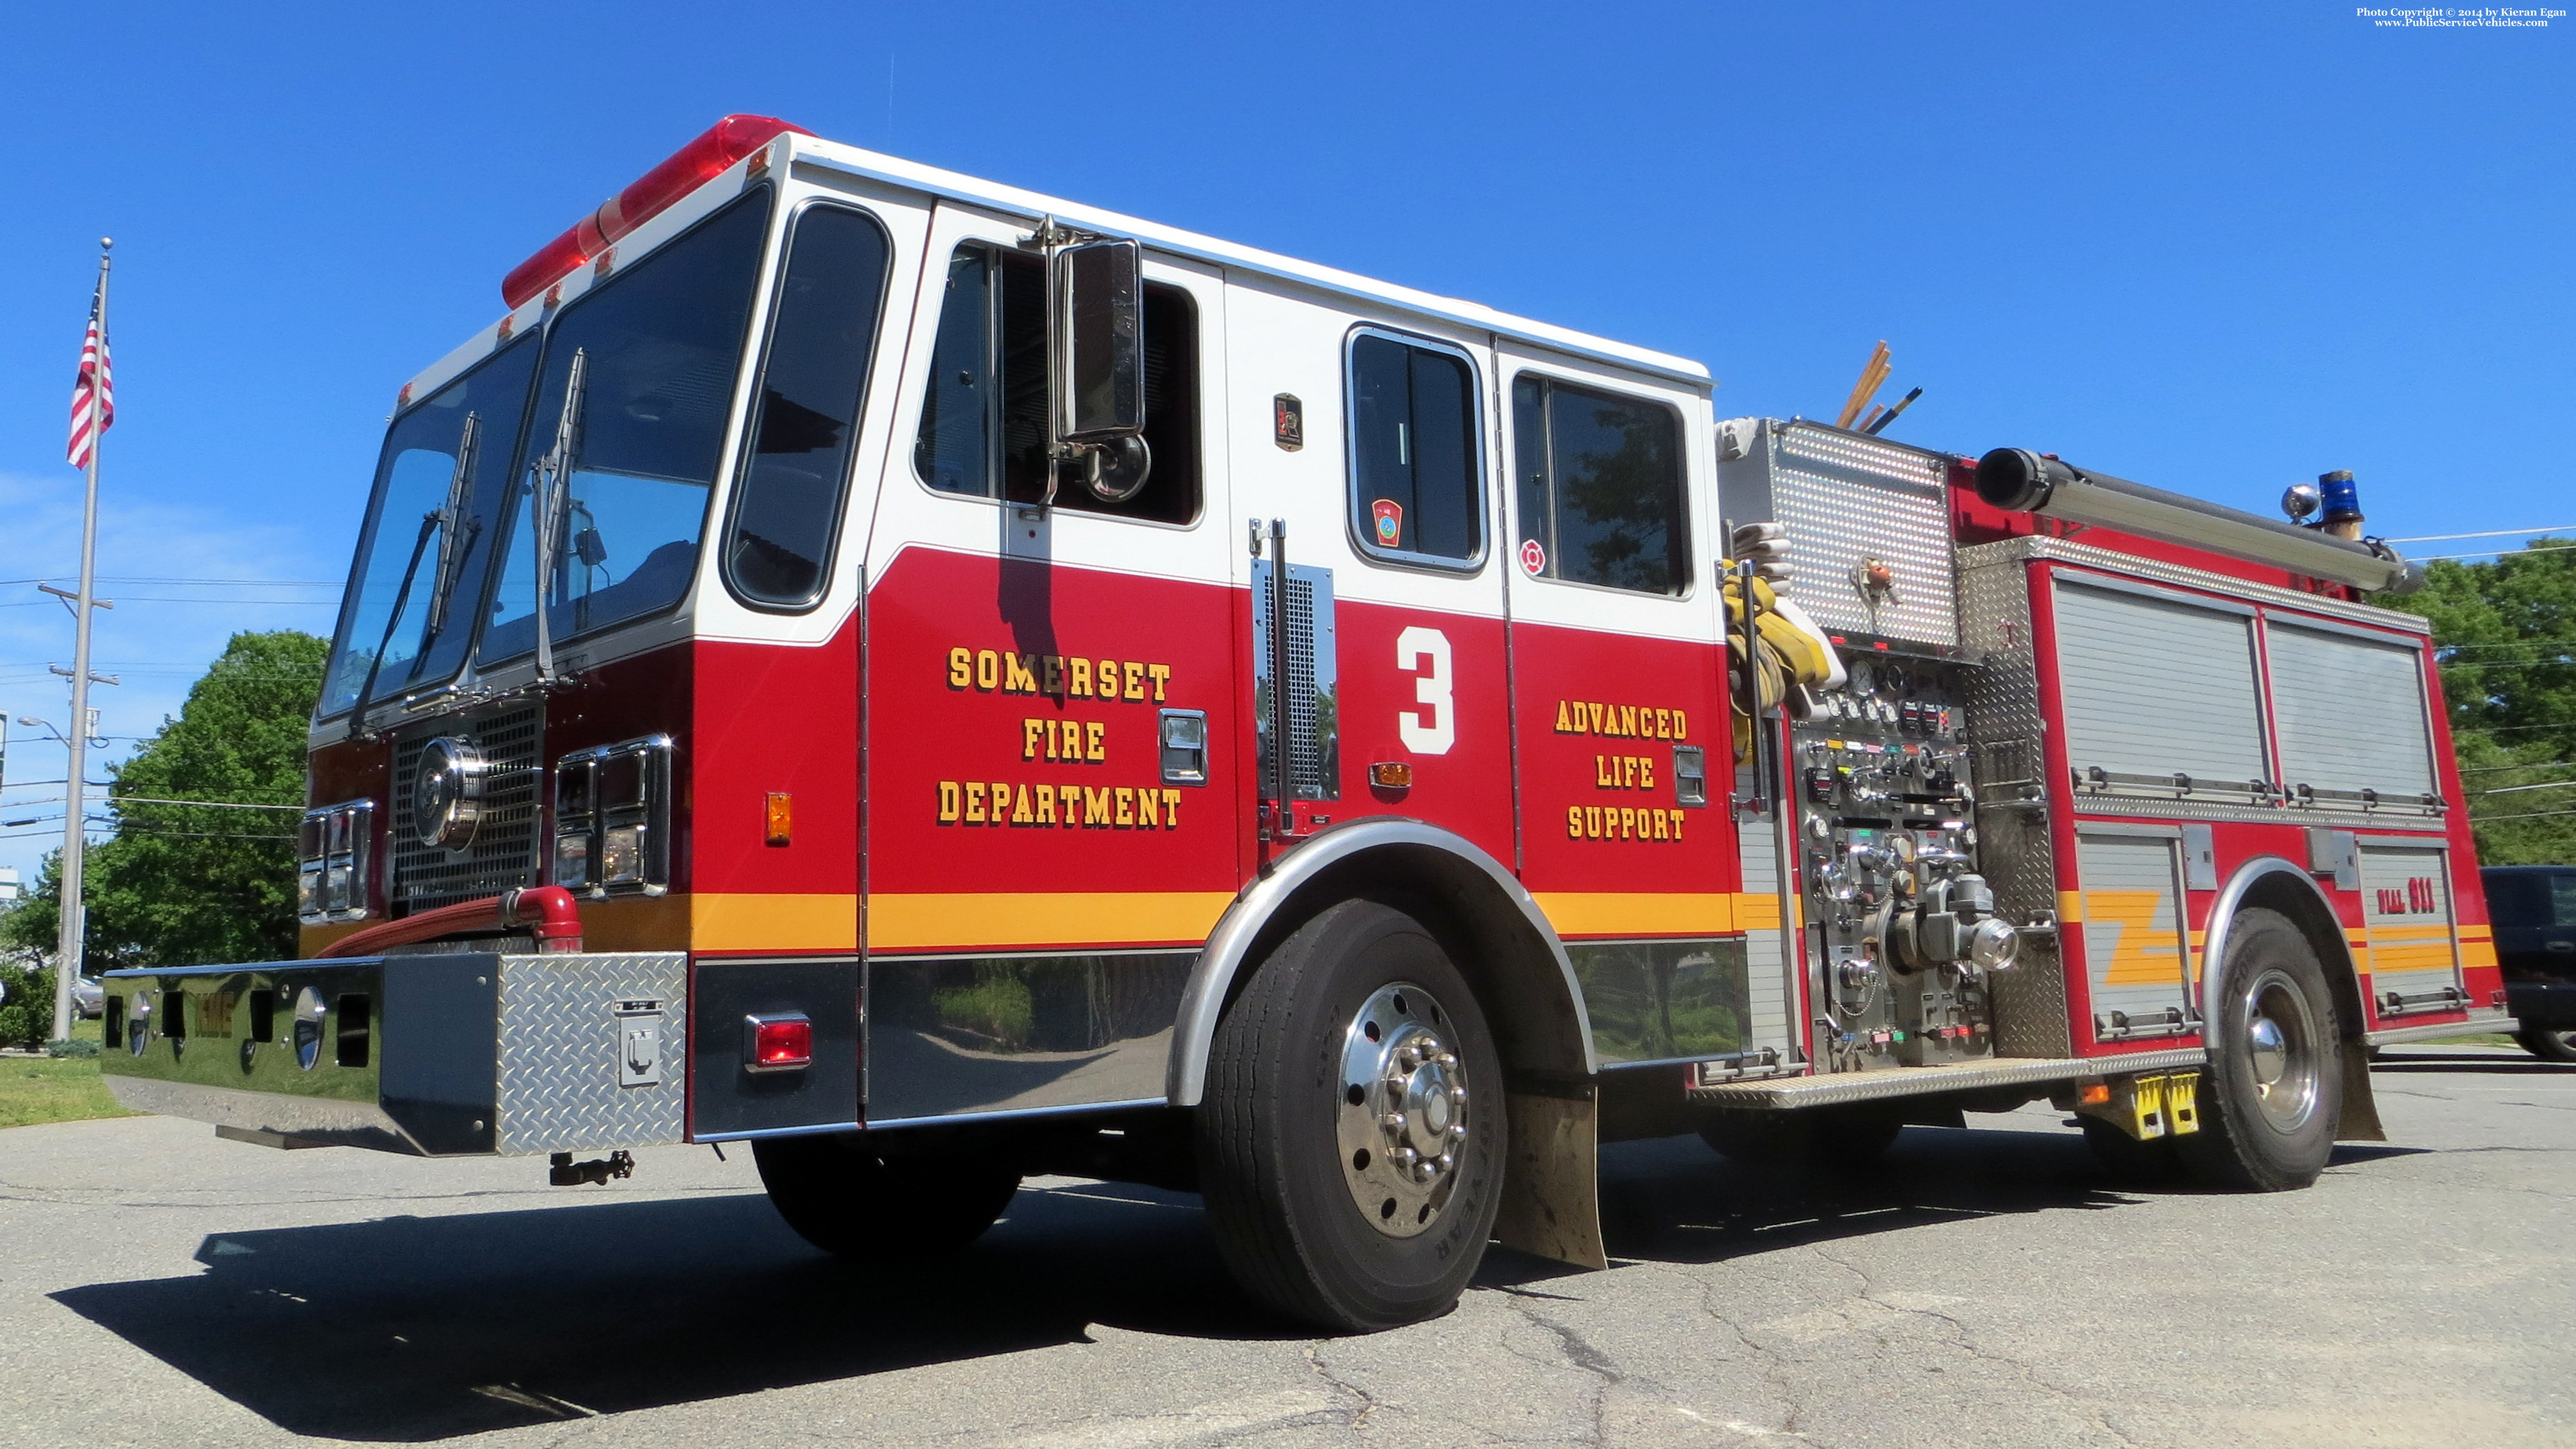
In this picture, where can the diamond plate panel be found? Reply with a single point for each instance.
(2012, 821)
(1849, 499)
(560, 1044)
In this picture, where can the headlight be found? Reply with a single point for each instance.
(335, 857)
(613, 819)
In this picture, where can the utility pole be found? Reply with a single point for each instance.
(67, 952)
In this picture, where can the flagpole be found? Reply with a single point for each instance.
(74, 909)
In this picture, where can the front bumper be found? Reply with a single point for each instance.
(2542, 1005)
(434, 1055)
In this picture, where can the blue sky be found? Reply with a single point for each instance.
(2215, 248)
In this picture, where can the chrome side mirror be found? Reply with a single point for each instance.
(1101, 341)
(1095, 361)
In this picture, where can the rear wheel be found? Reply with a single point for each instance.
(2547, 1044)
(1351, 1142)
(846, 1197)
(2272, 1096)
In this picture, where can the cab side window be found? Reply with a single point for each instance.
(1600, 483)
(983, 418)
(1415, 483)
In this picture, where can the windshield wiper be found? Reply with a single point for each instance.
(456, 526)
(441, 520)
(549, 484)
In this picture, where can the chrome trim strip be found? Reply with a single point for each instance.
(1075, 1109)
(2477, 1021)
(1841, 1088)
(764, 1132)
(1204, 1001)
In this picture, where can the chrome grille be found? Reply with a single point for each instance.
(504, 851)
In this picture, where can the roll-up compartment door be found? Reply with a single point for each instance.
(2406, 914)
(2350, 712)
(2156, 686)
(2134, 952)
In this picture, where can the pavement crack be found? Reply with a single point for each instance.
(1368, 1401)
(1965, 1342)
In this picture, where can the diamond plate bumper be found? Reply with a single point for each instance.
(439, 1055)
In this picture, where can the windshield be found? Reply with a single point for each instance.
(662, 345)
(411, 535)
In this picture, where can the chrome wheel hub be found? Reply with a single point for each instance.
(1401, 1120)
(2281, 1048)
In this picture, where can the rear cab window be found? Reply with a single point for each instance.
(1599, 478)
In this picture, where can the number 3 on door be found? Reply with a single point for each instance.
(1431, 730)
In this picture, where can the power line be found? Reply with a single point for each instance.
(2491, 533)
(2498, 552)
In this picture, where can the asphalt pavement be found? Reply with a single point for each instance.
(1981, 1287)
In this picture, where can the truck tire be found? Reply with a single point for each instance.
(844, 1196)
(1814, 1139)
(1351, 1143)
(2271, 1097)
(2548, 1043)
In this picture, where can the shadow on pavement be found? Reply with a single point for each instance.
(409, 1329)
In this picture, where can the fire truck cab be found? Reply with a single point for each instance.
(946, 684)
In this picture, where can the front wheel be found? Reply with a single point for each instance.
(1351, 1141)
(2272, 1096)
(2548, 1044)
(844, 1196)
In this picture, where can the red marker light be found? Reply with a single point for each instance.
(690, 167)
(780, 1043)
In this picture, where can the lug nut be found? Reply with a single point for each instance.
(1447, 1161)
(1393, 1122)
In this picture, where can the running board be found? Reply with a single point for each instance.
(1842, 1088)
(2473, 1024)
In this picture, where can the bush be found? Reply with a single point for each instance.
(26, 1006)
(71, 1047)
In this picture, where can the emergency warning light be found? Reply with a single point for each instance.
(688, 168)
(780, 1043)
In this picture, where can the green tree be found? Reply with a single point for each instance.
(181, 885)
(2506, 635)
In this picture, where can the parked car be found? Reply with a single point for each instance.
(2533, 908)
(89, 999)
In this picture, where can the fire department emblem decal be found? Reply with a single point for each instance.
(1533, 558)
(1390, 521)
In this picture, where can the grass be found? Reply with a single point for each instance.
(44, 1089)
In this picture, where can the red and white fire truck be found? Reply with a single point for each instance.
(947, 684)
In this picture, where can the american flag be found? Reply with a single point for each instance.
(93, 374)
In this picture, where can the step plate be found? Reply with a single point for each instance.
(1841, 1088)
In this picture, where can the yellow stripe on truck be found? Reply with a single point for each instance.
(1641, 913)
(1079, 918)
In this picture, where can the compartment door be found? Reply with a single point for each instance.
(2406, 914)
(2137, 964)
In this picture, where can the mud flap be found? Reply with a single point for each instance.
(1552, 1183)
(2360, 1112)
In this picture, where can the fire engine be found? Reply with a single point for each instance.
(944, 684)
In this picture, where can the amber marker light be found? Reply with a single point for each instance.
(2094, 1094)
(778, 818)
(1391, 775)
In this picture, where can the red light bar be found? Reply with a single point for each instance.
(689, 168)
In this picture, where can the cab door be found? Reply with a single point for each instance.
(1618, 701)
(1052, 831)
